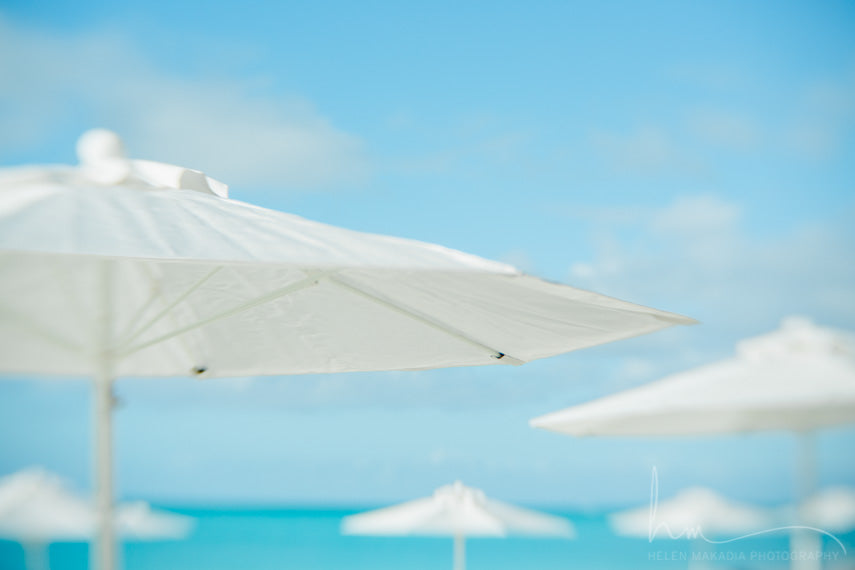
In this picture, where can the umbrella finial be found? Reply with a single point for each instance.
(459, 493)
(797, 322)
(98, 145)
(102, 156)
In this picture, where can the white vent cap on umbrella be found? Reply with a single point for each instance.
(102, 157)
(103, 160)
(99, 145)
(458, 493)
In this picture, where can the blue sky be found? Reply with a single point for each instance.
(697, 157)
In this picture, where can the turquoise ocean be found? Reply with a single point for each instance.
(309, 539)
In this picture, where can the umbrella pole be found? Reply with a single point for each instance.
(104, 555)
(808, 542)
(103, 550)
(459, 552)
(36, 555)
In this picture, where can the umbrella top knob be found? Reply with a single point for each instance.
(459, 493)
(98, 145)
(102, 160)
(102, 156)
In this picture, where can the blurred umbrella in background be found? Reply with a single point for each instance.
(832, 509)
(697, 514)
(37, 508)
(799, 378)
(125, 267)
(457, 511)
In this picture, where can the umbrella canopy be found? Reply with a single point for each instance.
(696, 512)
(37, 506)
(832, 510)
(153, 265)
(457, 511)
(126, 267)
(138, 521)
(799, 377)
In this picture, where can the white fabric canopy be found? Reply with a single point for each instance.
(693, 513)
(697, 514)
(194, 281)
(832, 510)
(799, 377)
(456, 510)
(37, 506)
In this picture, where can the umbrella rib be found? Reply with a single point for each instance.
(312, 279)
(167, 309)
(128, 330)
(158, 293)
(422, 318)
(41, 331)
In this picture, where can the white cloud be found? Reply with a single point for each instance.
(648, 150)
(823, 118)
(644, 150)
(724, 129)
(476, 141)
(713, 77)
(696, 214)
(226, 128)
(695, 256)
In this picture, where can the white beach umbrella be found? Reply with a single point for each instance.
(698, 514)
(136, 520)
(131, 268)
(799, 378)
(457, 511)
(829, 512)
(831, 509)
(694, 513)
(38, 508)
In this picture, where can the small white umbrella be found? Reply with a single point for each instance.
(698, 514)
(131, 268)
(457, 511)
(38, 508)
(831, 509)
(798, 378)
(829, 512)
(138, 521)
(694, 513)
